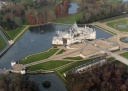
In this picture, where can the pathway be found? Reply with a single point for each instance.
(20, 33)
(116, 56)
(7, 43)
(56, 57)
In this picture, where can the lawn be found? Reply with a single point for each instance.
(13, 33)
(47, 65)
(119, 22)
(69, 19)
(46, 8)
(61, 51)
(39, 56)
(27, 1)
(74, 58)
(2, 43)
(114, 18)
(124, 54)
(61, 71)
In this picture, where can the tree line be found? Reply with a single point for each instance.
(109, 77)
(13, 14)
(17, 82)
(93, 13)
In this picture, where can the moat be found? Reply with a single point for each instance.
(34, 41)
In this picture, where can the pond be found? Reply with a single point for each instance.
(124, 39)
(72, 8)
(125, 49)
(122, 26)
(56, 83)
(34, 41)
(125, 0)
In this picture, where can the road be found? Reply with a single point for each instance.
(116, 56)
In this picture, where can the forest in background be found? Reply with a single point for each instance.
(97, 11)
(23, 12)
(16, 14)
(17, 82)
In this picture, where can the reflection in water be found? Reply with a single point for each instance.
(42, 29)
(56, 83)
(31, 42)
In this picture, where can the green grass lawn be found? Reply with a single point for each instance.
(114, 18)
(39, 56)
(61, 51)
(47, 65)
(69, 19)
(74, 58)
(105, 30)
(124, 54)
(115, 23)
(13, 33)
(61, 71)
(46, 8)
(2, 43)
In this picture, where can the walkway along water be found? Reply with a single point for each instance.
(9, 42)
(6, 39)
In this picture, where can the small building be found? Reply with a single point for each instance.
(17, 68)
(86, 66)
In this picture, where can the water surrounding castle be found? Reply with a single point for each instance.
(33, 41)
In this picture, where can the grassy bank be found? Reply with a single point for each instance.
(119, 22)
(13, 33)
(50, 65)
(74, 58)
(69, 19)
(114, 18)
(2, 43)
(61, 51)
(39, 56)
(124, 54)
(105, 30)
(61, 71)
